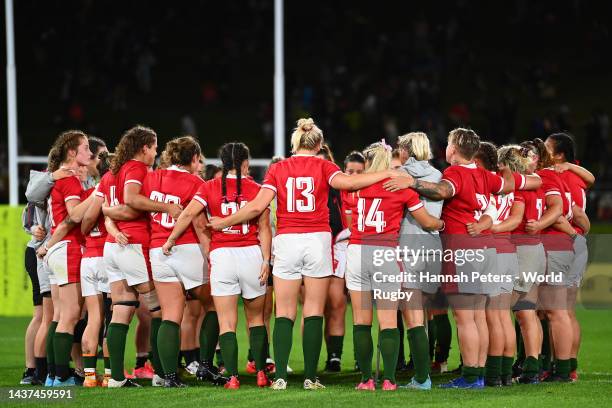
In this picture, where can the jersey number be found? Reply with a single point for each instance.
(483, 203)
(540, 207)
(374, 218)
(229, 209)
(166, 220)
(305, 187)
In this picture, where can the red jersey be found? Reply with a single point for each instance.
(210, 195)
(377, 214)
(65, 190)
(472, 188)
(534, 202)
(94, 241)
(301, 184)
(503, 205)
(577, 189)
(172, 185)
(553, 185)
(132, 171)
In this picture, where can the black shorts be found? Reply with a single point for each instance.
(31, 265)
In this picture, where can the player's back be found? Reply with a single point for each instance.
(533, 200)
(220, 205)
(171, 185)
(131, 172)
(95, 238)
(377, 214)
(301, 183)
(63, 191)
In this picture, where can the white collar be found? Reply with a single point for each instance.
(176, 168)
(471, 165)
(231, 176)
(304, 155)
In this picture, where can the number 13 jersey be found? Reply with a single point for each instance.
(301, 184)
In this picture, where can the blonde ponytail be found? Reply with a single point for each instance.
(416, 144)
(377, 156)
(306, 135)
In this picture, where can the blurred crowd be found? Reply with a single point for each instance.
(363, 70)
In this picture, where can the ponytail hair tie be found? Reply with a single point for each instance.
(385, 145)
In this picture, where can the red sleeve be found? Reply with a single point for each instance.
(518, 196)
(201, 196)
(551, 185)
(577, 191)
(519, 181)
(346, 201)
(412, 200)
(496, 183)
(270, 181)
(136, 174)
(71, 189)
(452, 175)
(330, 170)
(148, 183)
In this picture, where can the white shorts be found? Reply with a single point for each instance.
(127, 262)
(93, 277)
(185, 264)
(422, 270)
(558, 266)
(532, 263)
(64, 261)
(471, 273)
(298, 255)
(340, 249)
(581, 258)
(235, 271)
(362, 275)
(44, 276)
(508, 271)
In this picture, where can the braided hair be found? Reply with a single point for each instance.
(232, 156)
(487, 154)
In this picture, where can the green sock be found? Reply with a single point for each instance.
(50, 350)
(493, 367)
(531, 366)
(115, 341)
(573, 364)
(506, 366)
(562, 368)
(334, 347)
(282, 338)
(431, 338)
(257, 340)
(267, 345)
(389, 349)
(90, 362)
(155, 357)
(209, 335)
(62, 346)
(364, 349)
(168, 346)
(444, 335)
(312, 341)
(106, 363)
(417, 340)
(545, 357)
(229, 351)
(250, 353)
(470, 374)
(520, 346)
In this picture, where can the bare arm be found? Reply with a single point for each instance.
(426, 220)
(514, 219)
(563, 225)
(265, 242)
(137, 201)
(484, 223)
(581, 219)
(182, 223)
(532, 182)
(91, 215)
(76, 210)
(248, 212)
(358, 181)
(122, 238)
(60, 232)
(203, 234)
(580, 171)
(554, 210)
(120, 212)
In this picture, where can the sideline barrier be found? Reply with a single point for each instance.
(15, 286)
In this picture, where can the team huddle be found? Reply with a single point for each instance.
(119, 234)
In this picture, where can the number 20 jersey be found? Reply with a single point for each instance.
(301, 184)
(172, 185)
(210, 195)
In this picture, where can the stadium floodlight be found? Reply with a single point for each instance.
(11, 104)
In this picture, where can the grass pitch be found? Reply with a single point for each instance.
(594, 387)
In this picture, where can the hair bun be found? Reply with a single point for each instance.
(305, 125)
